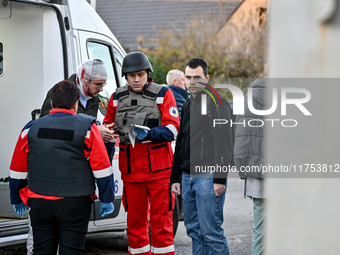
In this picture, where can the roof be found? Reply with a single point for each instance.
(130, 19)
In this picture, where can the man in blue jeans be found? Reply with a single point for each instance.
(202, 151)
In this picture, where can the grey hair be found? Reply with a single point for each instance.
(173, 74)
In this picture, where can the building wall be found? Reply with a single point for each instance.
(247, 8)
(244, 28)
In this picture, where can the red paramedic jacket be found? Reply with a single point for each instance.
(152, 158)
(98, 160)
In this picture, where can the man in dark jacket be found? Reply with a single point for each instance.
(175, 80)
(248, 152)
(90, 79)
(55, 163)
(202, 151)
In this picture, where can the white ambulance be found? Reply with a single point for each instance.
(42, 43)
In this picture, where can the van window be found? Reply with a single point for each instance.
(103, 52)
(119, 60)
(1, 59)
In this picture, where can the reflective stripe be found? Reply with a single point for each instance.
(160, 100)
(102, 173)
(24, 132)
(173, 129)
(115, 102)
(18, 175)
(163, 250)
(88, 134)
(144, 249)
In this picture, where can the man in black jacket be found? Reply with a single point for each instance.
(202, 155)
(90, 79)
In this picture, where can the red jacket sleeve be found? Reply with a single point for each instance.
(19, 167)
(100, 165)
(111, 110)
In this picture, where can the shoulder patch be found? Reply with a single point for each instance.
(173, 111)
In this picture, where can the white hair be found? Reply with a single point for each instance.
(172, 74)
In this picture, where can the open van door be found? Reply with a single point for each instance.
(29, 63)
(93, 45)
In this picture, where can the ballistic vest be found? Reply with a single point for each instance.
(137, 108)
(56, 162)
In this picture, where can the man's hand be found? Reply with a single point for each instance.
(106, 133)
(20, 208)
(176, 188)
(106, 209)
(219, 189)
(141, 133)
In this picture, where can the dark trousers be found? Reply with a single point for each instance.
(63, 221)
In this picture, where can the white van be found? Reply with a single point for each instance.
(42, 43)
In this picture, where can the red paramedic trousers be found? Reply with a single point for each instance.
(139, 199)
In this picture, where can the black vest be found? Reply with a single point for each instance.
(56, 162)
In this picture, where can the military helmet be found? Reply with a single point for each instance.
(134, 62)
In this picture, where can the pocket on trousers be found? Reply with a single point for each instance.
(124, 161)
(160, 156)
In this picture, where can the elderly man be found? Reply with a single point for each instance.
(90, 78)
(175, 80)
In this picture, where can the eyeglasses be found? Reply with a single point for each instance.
(195, 78)
(98, 85)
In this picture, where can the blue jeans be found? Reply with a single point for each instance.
(203, 216)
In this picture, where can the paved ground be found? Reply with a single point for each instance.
(237, 224)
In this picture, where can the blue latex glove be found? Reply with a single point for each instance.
(106, 209)
(141, 133)
(19, 208)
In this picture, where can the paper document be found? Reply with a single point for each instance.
(130, 129)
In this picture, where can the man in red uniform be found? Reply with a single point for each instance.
(145, 165)
(55, 163)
